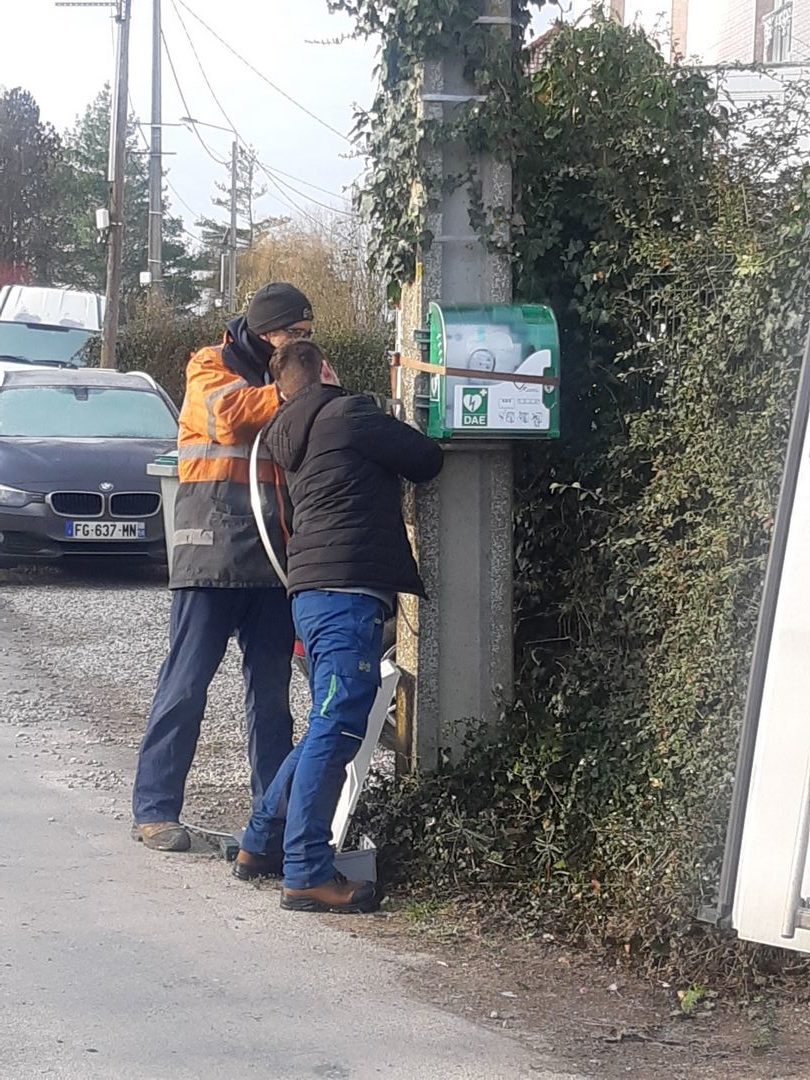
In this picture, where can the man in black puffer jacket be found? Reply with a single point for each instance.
(347, 559)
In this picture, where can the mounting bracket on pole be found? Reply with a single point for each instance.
(471, 239)
(452, 99)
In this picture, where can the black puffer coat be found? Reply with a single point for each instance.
(344, 458)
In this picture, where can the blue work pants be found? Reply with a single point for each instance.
(342, 634)
(202, 622)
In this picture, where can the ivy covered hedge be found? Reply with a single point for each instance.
(671, 237)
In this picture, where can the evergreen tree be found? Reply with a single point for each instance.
(250, 229)
(30, 164)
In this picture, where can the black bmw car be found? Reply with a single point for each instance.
(74, 446)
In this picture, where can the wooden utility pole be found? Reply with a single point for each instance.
(118, 148)
(155, 256)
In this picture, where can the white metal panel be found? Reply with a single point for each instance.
(357, 770)
(777, 796)
(51, 307)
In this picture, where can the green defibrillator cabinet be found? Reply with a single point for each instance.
(499, 372)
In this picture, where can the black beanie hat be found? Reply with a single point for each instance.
(276, 306)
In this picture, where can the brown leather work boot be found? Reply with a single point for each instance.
(249, 866)
(339, 896)
(162, 836)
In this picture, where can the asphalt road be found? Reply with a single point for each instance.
(116, 962)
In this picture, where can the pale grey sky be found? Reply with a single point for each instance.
(64, 55)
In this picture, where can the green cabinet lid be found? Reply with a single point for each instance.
(484, 341)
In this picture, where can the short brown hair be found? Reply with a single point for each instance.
(297, 364)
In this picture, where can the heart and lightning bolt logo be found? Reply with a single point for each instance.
(474, 407)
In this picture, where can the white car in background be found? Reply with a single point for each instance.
(46, 326)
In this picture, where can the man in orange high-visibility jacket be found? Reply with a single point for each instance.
(223, 583)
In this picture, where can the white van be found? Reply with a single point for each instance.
(45, 326)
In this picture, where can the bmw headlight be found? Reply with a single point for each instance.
(13, 498)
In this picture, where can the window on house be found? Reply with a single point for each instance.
(778, 28)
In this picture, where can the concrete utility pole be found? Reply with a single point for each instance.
(232, 232)
(456, 648)
(155, 255)
(118, 146)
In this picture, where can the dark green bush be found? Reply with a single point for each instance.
(359, 357)
(672, 240)
(159, 339)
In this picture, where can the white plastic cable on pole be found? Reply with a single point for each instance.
(256, 506)
(357, 769)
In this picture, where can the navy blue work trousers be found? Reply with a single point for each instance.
(343, 637)
(202, 622)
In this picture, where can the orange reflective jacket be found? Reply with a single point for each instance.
(216, 542)
(221, 416)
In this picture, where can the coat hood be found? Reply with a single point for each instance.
(288, 435)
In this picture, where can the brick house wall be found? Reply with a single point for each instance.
(801, 30)
(679, 28)
(737, 42)
(743, 39)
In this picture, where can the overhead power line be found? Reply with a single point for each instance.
(268, 170)
(201, 66)
(283, 196)
(262, 75)
(188, 112)
(307, 183)
(182, 201)
(197, 217)
(273, 175)
(221, 107)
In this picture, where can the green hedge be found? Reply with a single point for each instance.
(160, 340)
(360, 358)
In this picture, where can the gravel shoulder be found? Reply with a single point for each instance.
(79, 656)
(100, 638)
